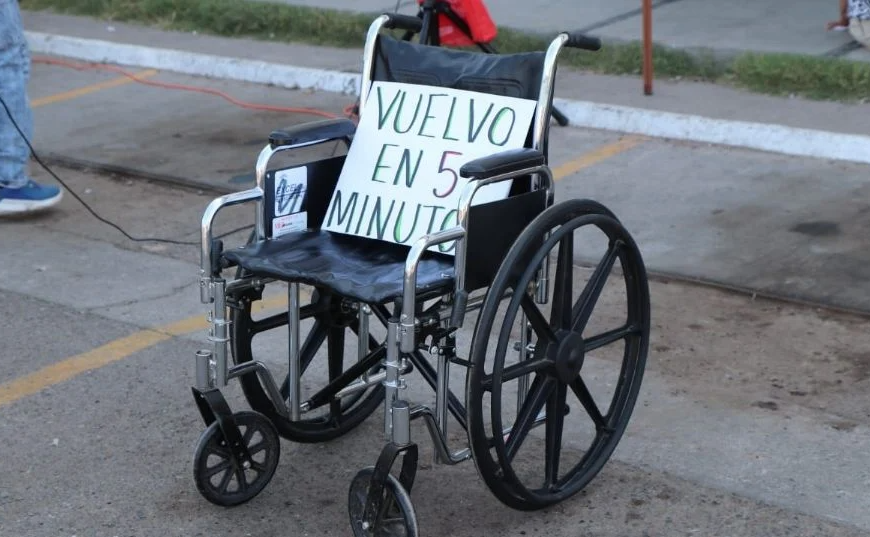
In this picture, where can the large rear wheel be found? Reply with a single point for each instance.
(585, 350)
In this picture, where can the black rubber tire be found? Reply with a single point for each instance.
(355, 410)
(519, 268)
(397, 499)
(212, 442)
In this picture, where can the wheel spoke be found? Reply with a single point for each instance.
(269, 323)
(582, 393)
(540, 391)
(312, 344)
(257, 467)
(388, 504)
(249, 433)
(611, 336)
(256, 448)
(554, 425)
(225, 482)
(335, 359)
(516, 371)
(218, 468)
(242, 479)
(560, 316)
(221, 451)
(592, 291)
(537, 320)
(313, 341)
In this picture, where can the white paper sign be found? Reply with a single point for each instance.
(401, 179)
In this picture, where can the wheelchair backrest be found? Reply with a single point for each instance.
(493, 223)
(509, 75)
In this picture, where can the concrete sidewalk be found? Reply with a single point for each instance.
(727, 28)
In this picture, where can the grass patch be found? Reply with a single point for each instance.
(776, 74)
(805, 76)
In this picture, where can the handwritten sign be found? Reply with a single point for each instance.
(401, 179)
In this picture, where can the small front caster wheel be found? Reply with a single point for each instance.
(396, 517)
(222, 479)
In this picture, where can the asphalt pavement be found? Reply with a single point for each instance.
(766, 223)
(752, 419)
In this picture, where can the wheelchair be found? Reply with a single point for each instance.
(532, 359)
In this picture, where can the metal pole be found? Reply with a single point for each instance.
(647, 48)
(393, 366)
(294, 385)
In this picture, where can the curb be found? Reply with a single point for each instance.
(190, 63)
(583, 114)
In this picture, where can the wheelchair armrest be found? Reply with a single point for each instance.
(306, 133)
(513, 160)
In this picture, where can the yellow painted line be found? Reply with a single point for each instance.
(69, 368)
(198, 322)
(109, 353)
(594, 157)
(119, 349)
(93, 88)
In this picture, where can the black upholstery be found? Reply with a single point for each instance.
(329, 129)
(509, 75)
(509, 161)
(363, 269)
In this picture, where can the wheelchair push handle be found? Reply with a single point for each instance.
(408, 23)
(585, 42)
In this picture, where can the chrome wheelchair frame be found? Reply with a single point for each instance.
(213, 371)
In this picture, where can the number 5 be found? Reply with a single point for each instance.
(442, 169)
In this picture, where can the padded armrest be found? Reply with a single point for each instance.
(500, 163)
(329, 129)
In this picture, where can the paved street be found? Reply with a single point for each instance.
(741, 397)
(753, 417)
(766, 223)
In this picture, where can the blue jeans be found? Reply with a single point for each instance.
(14, 75)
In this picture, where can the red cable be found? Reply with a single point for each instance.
(104, 67)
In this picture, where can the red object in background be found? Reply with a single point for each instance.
(475, 15)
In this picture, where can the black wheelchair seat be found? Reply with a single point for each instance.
(363, 269)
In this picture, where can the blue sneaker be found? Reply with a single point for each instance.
(30, 197)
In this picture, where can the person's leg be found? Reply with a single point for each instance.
(860, 30)
(14, 71)
(17, 192)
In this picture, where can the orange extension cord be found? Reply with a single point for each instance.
(348, 111)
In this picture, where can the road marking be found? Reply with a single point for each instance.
(93, 88)
(594, 157)
(111, 352)
(122, 348)
(71, 367)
